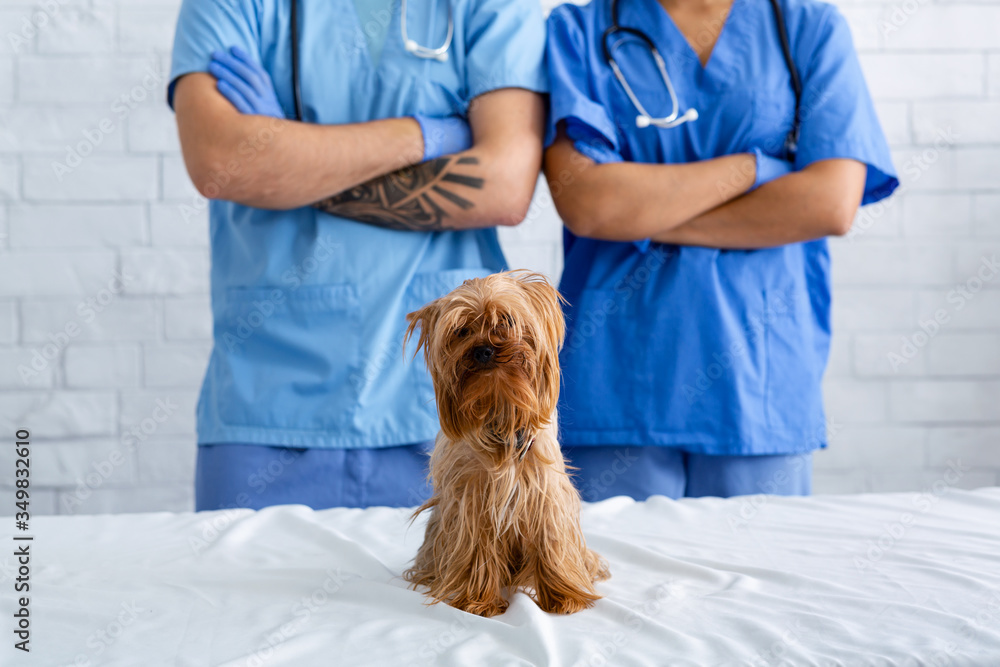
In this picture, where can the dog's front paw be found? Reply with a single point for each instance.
(485, 608)
(569, 604)
(597, 567)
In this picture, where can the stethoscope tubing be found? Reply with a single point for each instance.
(296, 92)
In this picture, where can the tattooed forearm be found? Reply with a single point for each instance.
(413, 198)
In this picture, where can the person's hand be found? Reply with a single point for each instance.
(245, 83)
(444, 136)
(769, 168)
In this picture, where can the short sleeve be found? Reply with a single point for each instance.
(838, 116)
(570, 98)
(204, 26)
(505, 46)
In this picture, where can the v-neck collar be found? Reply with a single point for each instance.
(360, 24)
(668, 34)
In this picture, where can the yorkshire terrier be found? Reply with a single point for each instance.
(504, 515)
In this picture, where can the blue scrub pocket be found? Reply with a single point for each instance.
(711, 363)
(284, 358)
(796, 359)
(424, 288)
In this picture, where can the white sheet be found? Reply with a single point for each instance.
(746, 581)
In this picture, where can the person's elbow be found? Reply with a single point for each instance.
(218, 143)
(840, 221)
(839, 185)
(512, 206)
(580, 220)
(513, 189)
(574, 198)
(206, 178)
(587, 211)
(217, 173)
(839, 214)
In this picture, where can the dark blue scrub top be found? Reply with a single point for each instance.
(712, 351)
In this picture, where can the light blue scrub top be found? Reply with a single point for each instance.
(309, 309)
(713, 351)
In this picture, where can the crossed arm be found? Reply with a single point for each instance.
(703, 203)
(370, 172)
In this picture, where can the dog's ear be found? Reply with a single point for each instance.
(547, 302)
(425, 318)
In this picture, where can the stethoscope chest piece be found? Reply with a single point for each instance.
(642, 121)
(415, 49)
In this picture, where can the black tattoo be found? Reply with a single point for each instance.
(411, 198)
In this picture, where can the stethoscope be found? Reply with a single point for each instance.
(412, 47)
(645, 119)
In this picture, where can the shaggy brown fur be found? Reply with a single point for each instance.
(504, 514)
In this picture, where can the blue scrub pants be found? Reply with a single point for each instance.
(255, 476)
(639, 472)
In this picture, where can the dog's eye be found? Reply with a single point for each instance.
(463, 332)
(506, 320)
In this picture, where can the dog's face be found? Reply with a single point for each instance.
(492, 348)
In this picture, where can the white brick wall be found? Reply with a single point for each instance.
(103, 286)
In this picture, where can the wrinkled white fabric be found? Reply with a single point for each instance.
(888, 579)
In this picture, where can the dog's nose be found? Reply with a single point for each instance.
(483, 354)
